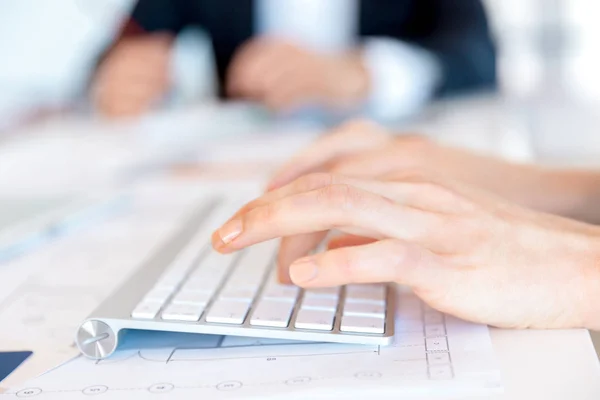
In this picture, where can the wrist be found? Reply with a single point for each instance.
(570, 193)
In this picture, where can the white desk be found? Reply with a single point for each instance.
(550, 365)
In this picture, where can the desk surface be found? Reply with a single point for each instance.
(553, 365)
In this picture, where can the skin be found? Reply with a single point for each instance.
(134, 76)
(462, 250)
(364, 150)
(284, 76)
(273, 72)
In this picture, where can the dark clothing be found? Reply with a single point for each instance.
(455, 31)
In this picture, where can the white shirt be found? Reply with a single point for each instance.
(403, 76)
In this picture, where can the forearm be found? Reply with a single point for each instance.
(570, 193)
(567, 192)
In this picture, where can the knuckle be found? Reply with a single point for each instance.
(315, 181)
(413, 174)
(342, 196)
(268, 213)
(414, 144)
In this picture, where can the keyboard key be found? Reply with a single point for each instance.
(183, 312)
(281, 292)
(272, 313)
(362, 324)
(228, 312)
(333, 292)
(158, 295)
(366, 294)
(258, 257)
(146, 310)
(209, 286)
(211, 269)
(436, 344)
(170, 281)
(231, 292)
(365, 310)
(320, 303)
(194, 298)
(317, 320)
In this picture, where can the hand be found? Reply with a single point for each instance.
(134, 76)
(284, 76)
(363, 149)
(366, 150)
(462, 251)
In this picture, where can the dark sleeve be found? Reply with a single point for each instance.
(159, 16)
(458, 34)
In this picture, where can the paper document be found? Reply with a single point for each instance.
(45, 295)
(433, 354)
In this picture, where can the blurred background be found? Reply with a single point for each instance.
(548, 58)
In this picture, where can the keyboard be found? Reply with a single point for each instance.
(188, 287)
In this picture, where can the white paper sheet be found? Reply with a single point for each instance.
(45, 295)
(433, 355)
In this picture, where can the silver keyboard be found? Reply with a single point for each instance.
(201, 291)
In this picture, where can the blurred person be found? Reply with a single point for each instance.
(385, 58)
(442, 221)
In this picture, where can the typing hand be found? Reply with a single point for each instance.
(462, 251)
(284, 76)
(364, 149)
(134, 76)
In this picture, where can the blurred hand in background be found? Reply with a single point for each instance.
(134, 76)
(383, 59)
(285, 76)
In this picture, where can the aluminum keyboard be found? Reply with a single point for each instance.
(188, 287)
(228, 289)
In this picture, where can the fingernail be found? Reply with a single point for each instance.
(303, 271)
(230, 231)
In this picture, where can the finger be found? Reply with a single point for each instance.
(133, 88)
(293, 93)
(382, 261)
(407, 152)
(410, 190)
(274, 73)
(368, 164)
(302, 84)
(348, 241)
(350, 138)
(341, 207)
(123, 107)
(293, 248)
(130, 99)
(254, 61)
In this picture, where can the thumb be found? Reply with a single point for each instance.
(383, 261)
